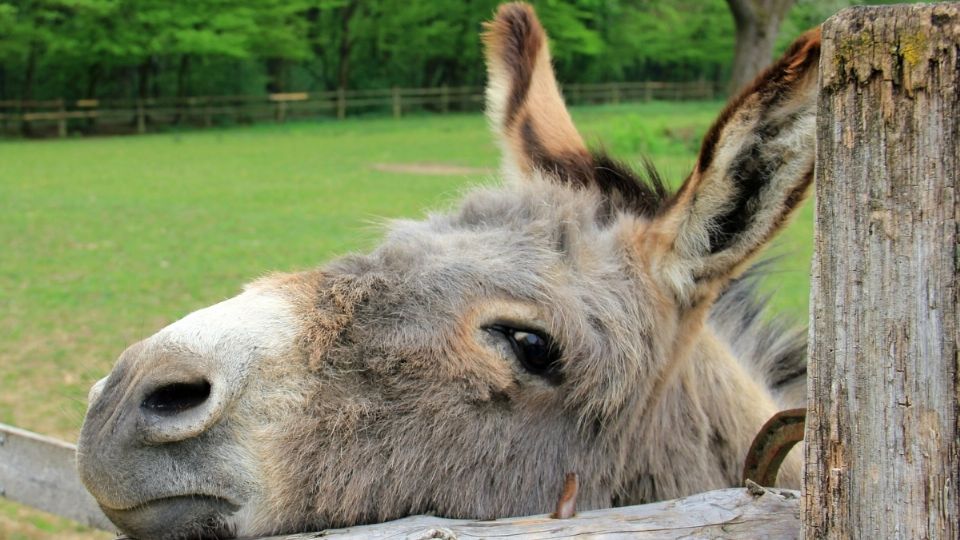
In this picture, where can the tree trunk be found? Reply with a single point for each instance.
(882, 429)
(314, 29)
(276, 75)
(183, 71)
(757, 23)
(94, 72)
(143, 80)
(343, 72)
(26, 91)
(155, 77)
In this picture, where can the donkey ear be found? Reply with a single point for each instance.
(754, 169)
(524, 105)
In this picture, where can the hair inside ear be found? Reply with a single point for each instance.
(754, 169)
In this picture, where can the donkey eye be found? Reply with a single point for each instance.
(536, 351)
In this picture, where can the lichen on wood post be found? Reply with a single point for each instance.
(882, 427)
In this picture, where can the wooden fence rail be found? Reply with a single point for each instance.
(61, 117)
(40, 472)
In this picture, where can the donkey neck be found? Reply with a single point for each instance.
(695, 437)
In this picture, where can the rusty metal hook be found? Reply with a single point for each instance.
(772, 444)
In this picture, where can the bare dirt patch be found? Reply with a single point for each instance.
(437, 169)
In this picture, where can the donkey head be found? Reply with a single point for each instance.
(567, 321)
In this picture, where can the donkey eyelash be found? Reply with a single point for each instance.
(535, 350)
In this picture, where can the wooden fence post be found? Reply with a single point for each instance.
(207, 114)
(25, 129)
(882, 428)
(141, 117)
(444, 99)
(397, 103)
(62, 119)
(341, 103)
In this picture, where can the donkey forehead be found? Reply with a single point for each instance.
(536, 244)
(535, 227)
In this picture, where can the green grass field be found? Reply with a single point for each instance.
(104, 241)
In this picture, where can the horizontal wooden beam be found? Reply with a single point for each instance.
(40, 472)
(727, 513)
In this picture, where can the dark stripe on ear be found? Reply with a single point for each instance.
(772, 85)
(794, 199)
(622, 187)
(644, 196)
(749, 172)
(570, 168)
(522, 36)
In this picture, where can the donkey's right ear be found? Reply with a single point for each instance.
(754, 169)
(524, 104)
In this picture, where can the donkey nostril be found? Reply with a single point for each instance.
(173, 399)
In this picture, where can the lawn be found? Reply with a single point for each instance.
(105, 240)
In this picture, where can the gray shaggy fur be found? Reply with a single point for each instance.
(772, 347)
(387, 384)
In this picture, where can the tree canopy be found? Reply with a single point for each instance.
(150, 48)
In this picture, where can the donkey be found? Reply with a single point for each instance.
(578, 318)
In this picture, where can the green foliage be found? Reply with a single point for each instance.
(127, 48)
(809, 13)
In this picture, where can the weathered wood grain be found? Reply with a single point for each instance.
(39, 471)
(726, 513)
(882, 427)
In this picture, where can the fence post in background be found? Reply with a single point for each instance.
(89, 106)
(882, 440)
(703, 89)
(24, 119)
(397, 103)
(341, 103)
(207, 115)
(62, 119)
(141, 117)
(444, 99)
(615, 93)
(647, 91)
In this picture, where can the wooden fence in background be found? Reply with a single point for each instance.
(90, 116)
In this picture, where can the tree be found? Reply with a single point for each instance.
(757, 23)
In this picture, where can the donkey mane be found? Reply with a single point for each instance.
(773, 348)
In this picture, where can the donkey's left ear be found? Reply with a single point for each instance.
(755, 168)
(524, 105)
